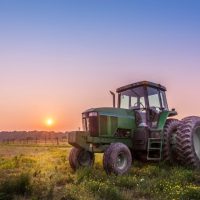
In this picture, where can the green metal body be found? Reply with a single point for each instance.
(119, 125)
(125, 119)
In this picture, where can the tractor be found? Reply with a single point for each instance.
(139, 127)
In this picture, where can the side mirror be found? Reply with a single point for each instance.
(113, 95)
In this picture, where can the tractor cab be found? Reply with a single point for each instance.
(146, 99)
(149, 104)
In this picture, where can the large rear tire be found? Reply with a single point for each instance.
(188, 141)
(79, 157)
(169, 135)
(117, 159)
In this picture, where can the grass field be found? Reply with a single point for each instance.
(43, 172)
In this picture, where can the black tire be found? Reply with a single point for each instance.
(79, 157)
(117, 159)
(169, 134)
(188, 141)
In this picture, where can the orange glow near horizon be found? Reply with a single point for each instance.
(49, 122)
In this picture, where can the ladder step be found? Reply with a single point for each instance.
(157, 142)
(154, 150)
(151, 158)
(155, 139)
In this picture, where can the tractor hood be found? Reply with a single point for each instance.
(108, 121)
(110, 111)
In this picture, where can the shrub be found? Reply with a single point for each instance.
(104, 190)
(16, 185)
(128, 182)
(90, 174)
(191, 192)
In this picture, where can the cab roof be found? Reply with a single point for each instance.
(141, 83)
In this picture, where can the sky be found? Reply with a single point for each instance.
(61, 57)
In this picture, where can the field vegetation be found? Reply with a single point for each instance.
(43, 172)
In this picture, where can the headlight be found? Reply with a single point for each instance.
(93, 114)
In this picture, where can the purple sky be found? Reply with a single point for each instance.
(58, 58)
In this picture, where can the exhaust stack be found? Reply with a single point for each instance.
(113, 95)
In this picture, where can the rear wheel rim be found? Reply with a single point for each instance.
(85, 158)
(121, 161)
(196, 141)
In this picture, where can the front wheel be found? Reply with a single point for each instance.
(117, 159)
(79, 157)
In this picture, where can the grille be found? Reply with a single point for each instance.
(114, 124)
(93, 126)
(103, 125)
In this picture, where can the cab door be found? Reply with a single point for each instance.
(154, 106)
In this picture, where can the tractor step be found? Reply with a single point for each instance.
(154, 149)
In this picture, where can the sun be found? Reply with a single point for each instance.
(49, 122)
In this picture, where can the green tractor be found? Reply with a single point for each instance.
(140, 127)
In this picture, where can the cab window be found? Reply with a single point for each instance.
(163, 100)
(153, 97)
(124, 101)
(133, 98)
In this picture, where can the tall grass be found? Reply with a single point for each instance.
(44, 173)
(16, 185)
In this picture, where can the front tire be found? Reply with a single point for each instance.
(79, 157)
(117, 159)
(188, 141)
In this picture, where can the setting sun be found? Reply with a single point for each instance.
(49, 122)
